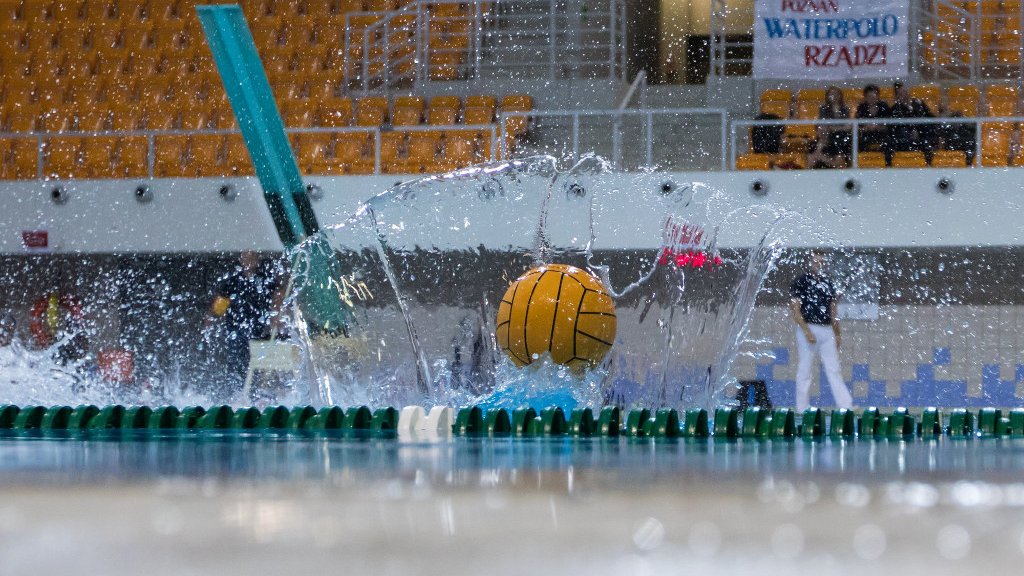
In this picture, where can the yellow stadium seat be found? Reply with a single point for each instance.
(237, 156)
(335, 113)
(405, 116)
(518, 102)
(871, 160)
(754, 162)
(66, 11)
(19, 121)
(170, 156)
(478, 115)
(132, 159)
(949, 159)
(392, 147)
(423, 146)
(1002, 107)
(930, 94)
(62, 157)
(97, 156)
(886, 93)
(22, 159)
(355, 152)
(909, 160)
(94, 119)
(205, 152)
(446, 101)
(417, 102)
(811, 95)
(1000, 92)
(995, 147)
(776, 107)
(459, 151)
(442, 116)
(805, 110)
(852, 96)
(966, 105)
(776, 95)
(481, 101)
(371, 111)
(790, 161)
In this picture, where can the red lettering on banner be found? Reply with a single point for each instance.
(831, 56)
(809, 6)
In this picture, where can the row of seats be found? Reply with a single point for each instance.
(95, 11)
(999, 99)
(994, 154)
(200, 155)
(995, 25)
(152, 108)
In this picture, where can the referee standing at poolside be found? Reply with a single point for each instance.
(813, 305)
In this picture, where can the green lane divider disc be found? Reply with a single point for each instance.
(468, 421)
(581, 422)
(246, 418)
(813, 423)
(783, 424)
(635, 420)
(666, 423)
(609, 421)
(274, 418)
(136, 417)
(961, 424)
(901, 424)
(752, 422)
(843, 423)
(535, 427)
(108, 418)
(327, 418)
(695, 424)
(869, 423)
(553, 421)
(8, 414)
(1017, 423)
(1003, 427)
(931, 423)
(81, 416)
(30, 418)
(299, 415)
(216, 418)
(56, 418)
(190, 417)
(987, 421)
(521, 419)
(358, 418)
(384, 419)
(164, 418)
(497, 422)
(726, 422)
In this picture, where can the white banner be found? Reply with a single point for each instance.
(831, 39)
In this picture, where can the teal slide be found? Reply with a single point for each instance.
(249, 92)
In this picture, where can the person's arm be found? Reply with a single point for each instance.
(798, 317)
(833, 311)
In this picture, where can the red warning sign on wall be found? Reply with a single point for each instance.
(35, 239)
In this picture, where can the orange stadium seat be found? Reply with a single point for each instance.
(776, 95)
(930, 94)
(909, 160)
(170, 156)
(754, 162)
(852, 96)
(949, 159)
(816, 95)
(995, 147)
(371, 111)
(805, 110)
(478, 115)
(62, 157)
(336, 113)
(132, 158)
(442, 116)
(776, 107)
(482, 101)
(237, 156)
(97, 157)
(205, 153)
(871, 160)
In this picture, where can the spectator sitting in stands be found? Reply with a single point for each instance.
(874, 136)
(766, 139)
(910, 137)
(959, 136)
(833, 146)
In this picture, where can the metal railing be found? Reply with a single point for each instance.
(44, 139)
(938, 123)
(422, 41)
(568, 133)
(955, 42)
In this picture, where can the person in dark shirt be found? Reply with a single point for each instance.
(766, 139)
(872, 137)
(813, 306)
(910, 137)
(244, 306)
(960, 136)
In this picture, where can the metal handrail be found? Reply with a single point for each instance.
(856, 123)
(616, 115)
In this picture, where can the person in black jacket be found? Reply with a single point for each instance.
(872, 137)
(910, 137)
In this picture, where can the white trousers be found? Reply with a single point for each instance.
(824, 346)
